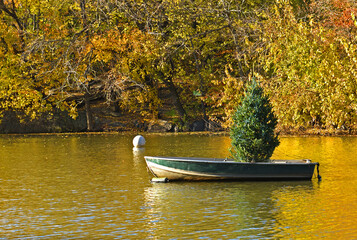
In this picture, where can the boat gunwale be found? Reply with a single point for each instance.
(204, 176)
(230, 161)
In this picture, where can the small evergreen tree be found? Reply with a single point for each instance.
(252, 134)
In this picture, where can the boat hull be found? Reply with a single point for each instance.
(198, 169)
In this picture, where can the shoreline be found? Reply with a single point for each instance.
(310, 133)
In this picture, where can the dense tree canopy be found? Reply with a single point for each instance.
(59, 55)
(310, 70)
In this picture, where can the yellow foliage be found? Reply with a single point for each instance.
(229, 97)
(310, 73)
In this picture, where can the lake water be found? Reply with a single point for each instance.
(96, 187)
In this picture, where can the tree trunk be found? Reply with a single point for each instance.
(176, 98)
(202, 87)
(89, 115)
(90, 122)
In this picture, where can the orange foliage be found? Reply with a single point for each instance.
(343, 16)
(336, 13)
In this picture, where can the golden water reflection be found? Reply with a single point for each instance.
(235, 209)
(97, 187)
(329, 210)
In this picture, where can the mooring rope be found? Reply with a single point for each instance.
(318, 172)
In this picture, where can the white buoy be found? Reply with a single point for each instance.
(139, 141)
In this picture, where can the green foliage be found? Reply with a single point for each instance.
(252, 132)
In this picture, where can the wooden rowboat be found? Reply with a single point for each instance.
(182, 168)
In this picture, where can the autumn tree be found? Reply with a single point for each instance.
(70, 53)
(309, 72)
(198, 45)
(63, 55)
(20, 90)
